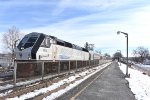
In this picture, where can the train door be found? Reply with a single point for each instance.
(54, 50)
(44, 49)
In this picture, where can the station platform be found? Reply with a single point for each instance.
(110, 85)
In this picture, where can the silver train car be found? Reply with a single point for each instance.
(38, 46)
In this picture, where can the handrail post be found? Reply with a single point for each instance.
(69, 66)
(15, 70)
(76, 65)
(42, 71)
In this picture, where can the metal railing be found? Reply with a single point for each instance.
(28, 70)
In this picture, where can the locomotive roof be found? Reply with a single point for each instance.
(55, 38)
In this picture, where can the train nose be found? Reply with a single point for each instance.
(23, 54)
(20, 55)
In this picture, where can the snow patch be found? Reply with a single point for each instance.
(86, 75)
(141, 65)
(138, 82)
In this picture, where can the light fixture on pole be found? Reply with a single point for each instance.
(126, 35)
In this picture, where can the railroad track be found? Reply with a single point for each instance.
(10, 81)
(63, 86)
(18, 91)
(43, 95)
(6, 82)
(23, 90)
(38, 79)
(22, 80)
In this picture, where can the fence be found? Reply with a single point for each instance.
(27, 70)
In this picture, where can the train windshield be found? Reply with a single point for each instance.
(27, 42)
(30, 42)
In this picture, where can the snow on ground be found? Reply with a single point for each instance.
(6, 86)
(3, 94)
(56, 85)
(141, 65)
(138, 82)
(61, 92)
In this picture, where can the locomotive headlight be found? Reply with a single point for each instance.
(22, 48)
(29, 56)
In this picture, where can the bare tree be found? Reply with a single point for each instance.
(117, 55)
(86, 46)
(107, 55)
(98, 51)
(11, 37)
(141, 52)
(89, 46)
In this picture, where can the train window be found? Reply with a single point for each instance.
(46, 43)
(24, 39)
(30, 42)
(22, 42)
(47, 40)
(60, 43)
(43, 43)
(32, 39)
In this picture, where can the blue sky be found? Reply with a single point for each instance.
(80, 21)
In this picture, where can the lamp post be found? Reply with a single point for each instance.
(120, 56)
(126, 35)
(14, 63)
(14, 46)
(15, 42)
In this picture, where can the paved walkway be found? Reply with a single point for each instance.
(111, 85)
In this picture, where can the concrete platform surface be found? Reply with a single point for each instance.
(110, 85)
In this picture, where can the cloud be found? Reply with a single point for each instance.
(101, 29)
(93, 21)
(88, 5)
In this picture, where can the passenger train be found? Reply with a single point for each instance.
(55, 54)
(39, 46)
